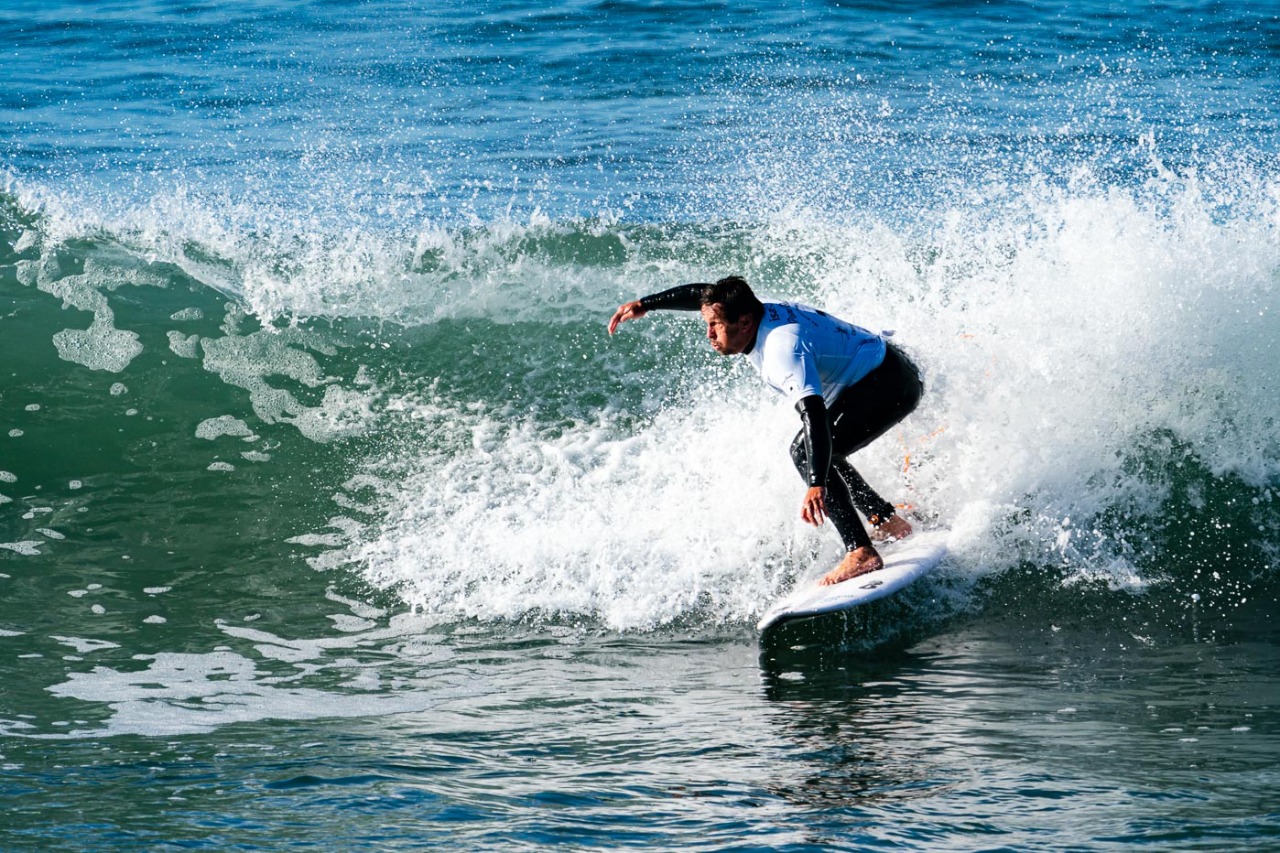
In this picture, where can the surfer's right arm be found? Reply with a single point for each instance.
(683, 297)
(815, 441)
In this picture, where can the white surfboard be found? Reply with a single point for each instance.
(904, 562)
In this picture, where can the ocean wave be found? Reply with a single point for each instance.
(1098, 361)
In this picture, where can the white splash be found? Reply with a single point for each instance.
(1063, 331)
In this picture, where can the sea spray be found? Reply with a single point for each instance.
(1067, 334)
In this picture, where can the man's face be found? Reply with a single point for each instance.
(728, 338)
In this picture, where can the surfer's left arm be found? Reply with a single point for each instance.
(817, 447)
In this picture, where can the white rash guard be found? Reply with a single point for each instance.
(802, 351)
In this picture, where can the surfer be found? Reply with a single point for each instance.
(849, 386)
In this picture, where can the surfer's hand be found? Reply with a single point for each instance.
(814, 508)
(627, 311)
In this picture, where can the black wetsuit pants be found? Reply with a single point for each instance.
(861, 414)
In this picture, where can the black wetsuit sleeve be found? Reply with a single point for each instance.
(684, 297)
(817, 439)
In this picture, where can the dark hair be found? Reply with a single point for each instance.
(735, 298)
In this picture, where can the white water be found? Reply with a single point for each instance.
(1065, 332)
(1066, 329)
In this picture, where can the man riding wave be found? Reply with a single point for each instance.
(848, 385)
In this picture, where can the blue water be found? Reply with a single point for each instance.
(330, 517)
(651, 111)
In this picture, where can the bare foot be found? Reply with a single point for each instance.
(855, 563)
(892, 529)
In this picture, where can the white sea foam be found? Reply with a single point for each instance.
(102, 346)
(637, 529)
(248, 362)
(186, 693)
(84, 645)
(214, 428)
(26, 548)
(184, 346)
(330, 539)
